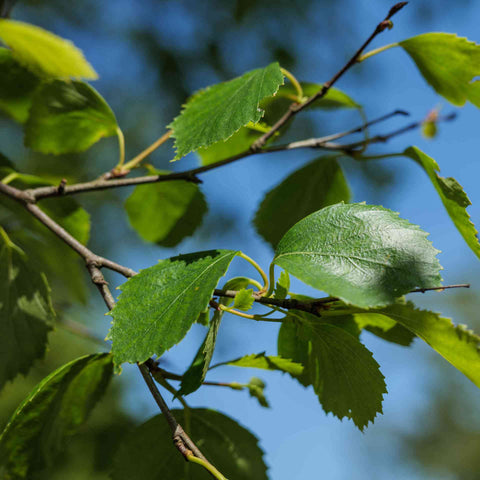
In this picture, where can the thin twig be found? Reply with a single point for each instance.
(296, 107)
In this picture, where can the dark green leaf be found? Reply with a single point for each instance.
(365, 255)
(196, 373)
(231, 448)
(282, 286)
(166, 212)
(266, 362)
(217, 112)
(52, 412)
(43, 52)
(26, 313)
(448, 63)
(256, 387)
(343, 373)
(317, 185)
(17, 86)
(452, 195)
(68, 117)
(158, 306)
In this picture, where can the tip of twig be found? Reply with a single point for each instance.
(402, 112)
(396, 8)
(450, 116)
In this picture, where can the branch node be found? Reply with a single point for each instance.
(61, 186)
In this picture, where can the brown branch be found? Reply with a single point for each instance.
(298, 107)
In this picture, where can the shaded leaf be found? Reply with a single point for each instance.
(256, 387)
(343, 372)
(451, 194)
(316, 185)
(26, 313)
(217, 112)
(43, 52)
(68, 117)
(231, 448)
(159, 305)
(365, 255)
(166, 212)
(52, 412)
(448, 63)
(196, 373)
(266, 362)
(17, 86)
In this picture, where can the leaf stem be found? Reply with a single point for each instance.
(299, 98)
(145, 153)
(10, 178)
(271, 273)
(258, 269)
(376, 51)
(121, 149)
(208, 466)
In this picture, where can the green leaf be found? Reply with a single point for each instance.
(166, 212)
(448, 63)
(196, 373)
(256, 387)
(26, 313)
(17, 86)
(317, 185)
(231, 448)
(266, 362)
(451, 194)
(365, 255)
(68, 117)
(158, 306)
(282, 286)
(384, 327)
(237, 143)
(243, 300)
(217, 112)
(43, 52)
(457, 344)
(53, 411)
(343, 372)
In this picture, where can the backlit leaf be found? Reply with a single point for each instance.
(231, 448)
(53, 411)
(452, 196)
(43, 52)
(217, 112)
(314, 186)
(68, 117)
(243, 299)
(282, 287)
(365, 255)
(256, 389)
(158, 306)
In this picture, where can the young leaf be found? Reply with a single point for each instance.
(343, 372)
(68, 117)
(26, 313)
(52, 412)
(282, 287)
(43, 52)
(231, 448)
(166, 212)
(448, 63)
(365, 255)
(256, 387)
(243, 299)
(452, 196)
(266, 362)
(17, 86)
(158, 306)
(217, 112)
(195, 375)
(317, 185)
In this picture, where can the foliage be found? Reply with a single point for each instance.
(365, 258)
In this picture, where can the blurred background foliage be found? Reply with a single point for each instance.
(151, 55)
